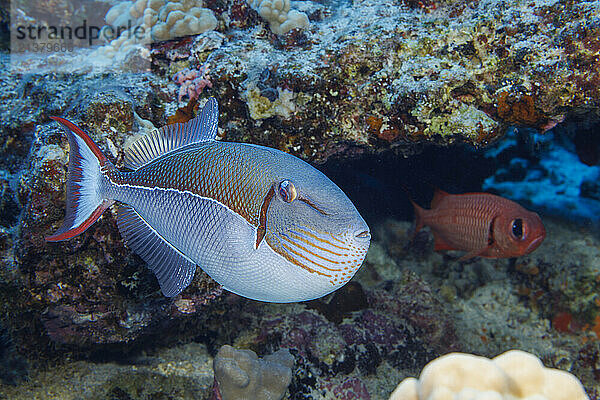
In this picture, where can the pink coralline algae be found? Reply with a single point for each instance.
(351, 389)
(192, 82)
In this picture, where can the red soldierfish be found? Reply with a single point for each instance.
(481, 224)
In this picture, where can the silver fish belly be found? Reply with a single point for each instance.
(262, 223)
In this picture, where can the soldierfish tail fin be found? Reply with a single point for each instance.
(419, 211)
(85, 202)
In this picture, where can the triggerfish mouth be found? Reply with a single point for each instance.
(262, 223)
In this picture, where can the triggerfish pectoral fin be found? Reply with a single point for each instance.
(84, 201)
(172, 268)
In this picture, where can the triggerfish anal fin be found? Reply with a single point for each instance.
(172, 268)
(203, 128)
(84, 203)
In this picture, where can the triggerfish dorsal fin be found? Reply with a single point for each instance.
(203, 128)
(438, 195)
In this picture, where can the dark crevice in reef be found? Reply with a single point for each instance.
(379, 184)
(13, 367)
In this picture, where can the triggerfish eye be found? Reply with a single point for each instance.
(287, 191)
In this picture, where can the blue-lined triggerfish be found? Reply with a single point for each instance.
(262, 223)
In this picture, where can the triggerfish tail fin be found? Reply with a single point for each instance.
(85, 203)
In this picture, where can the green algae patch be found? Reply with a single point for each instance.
(260, 107)
(466, 121)
(183, 372)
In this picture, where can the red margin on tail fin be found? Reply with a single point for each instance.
(83, 227)
(75, 197)
(88, 140)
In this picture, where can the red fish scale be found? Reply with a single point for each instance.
(463, 221)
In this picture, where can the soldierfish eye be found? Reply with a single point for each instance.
(287, 191)
(517, 228)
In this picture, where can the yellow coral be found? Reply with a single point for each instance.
(159, 20)
(278, 14)
(514, 375)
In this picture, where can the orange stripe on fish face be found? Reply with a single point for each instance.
(298, 237)
(288, 256)
(322, 240)
(310, 251)
(289, 240)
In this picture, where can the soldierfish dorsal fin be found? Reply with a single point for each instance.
(203, 128)
(437, 197)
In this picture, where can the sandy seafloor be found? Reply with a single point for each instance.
(407, 304)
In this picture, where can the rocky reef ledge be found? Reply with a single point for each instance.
(363, 77)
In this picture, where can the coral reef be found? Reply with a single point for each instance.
(378, 76)
(512, 375)
(241, 375)
(192, 82)
(544, 303)
(13, 367)
(402, 77)
(181, 372)
(261, 106)
(344, 343)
